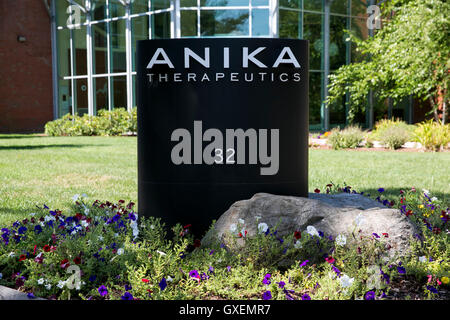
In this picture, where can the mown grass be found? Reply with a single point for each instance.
(35, 170)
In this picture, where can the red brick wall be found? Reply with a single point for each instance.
(25, 68)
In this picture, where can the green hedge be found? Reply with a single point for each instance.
(106, 123)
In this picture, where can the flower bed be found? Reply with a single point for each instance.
(106, 251)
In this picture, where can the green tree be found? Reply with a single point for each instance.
(408, 55)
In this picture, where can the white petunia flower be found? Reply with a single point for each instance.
(434, 199)
(312, 231)
(341, 240)
(48, 286)
(84, 223)
(75, 197)
(100, 238)
(152, 226)
(233, 227)
(120, 251)
(422, 259)
(298, 244)
(262, 227)
(346, 281)
(41, 281)
(169, 279)
(426, 191)
(61, 284)
(49, 218)
(86, 211)
(11, 254)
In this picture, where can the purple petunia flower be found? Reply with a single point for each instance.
(128, 287)
(30, 295)
(303, 263)
(401, 270)
(281, 284)
(338, 272)
(127, 296)
(267, 295)
(370, 295)
(162, 284)
(306, 297)
(194, 274)
(266, 280)
(376, 235)
(102, 290)
(380, 190)
(432, 289)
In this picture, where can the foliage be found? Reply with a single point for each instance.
(350, 137)
(106, 251)
(392, 133)
(432, 135)
(409, 55)
(106, 123)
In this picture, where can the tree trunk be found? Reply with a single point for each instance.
(433, 107)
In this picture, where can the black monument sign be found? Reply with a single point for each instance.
(219, 120)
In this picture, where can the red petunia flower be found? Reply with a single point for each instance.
(409, 213)
(46, 248)
(22, 257)
(145, 280)
(386, 235)
(64, 264)
(316, 190)
(77, 260)
(329, 259)
(297, 235)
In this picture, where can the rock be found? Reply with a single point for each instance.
(11, 294)
(332, 214)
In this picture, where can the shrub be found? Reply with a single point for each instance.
(106, 123)
(350, 137)
(394, 137)
(392, 133)
(432, 135)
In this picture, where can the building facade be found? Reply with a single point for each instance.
(89, 47)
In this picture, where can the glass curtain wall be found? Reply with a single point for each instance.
(96, 42)
(305, 19)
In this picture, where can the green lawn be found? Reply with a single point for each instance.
(36, 170)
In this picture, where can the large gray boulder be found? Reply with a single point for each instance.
(332, 214)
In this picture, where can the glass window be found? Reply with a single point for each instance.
(63, 52)
(188, 3)
(67, 14)
(359, 29)
(312, 31)
(65, 97)
(261, 2)
(290, 24)
(297, 4)
(339, 6)
(139, 27)
(188, 21)
(224, 3)
(224, 22)
(315, 100)
(116, 9)
(338, 45)
(101, 93)
(80, 53)
(99, 33)
(118, 47)
(161, 25)
(260, 22)
(98, 9)
(81, 97)
(315, 5)
(359, 7)
(139, 6)
(119, 94)
(160, 4)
